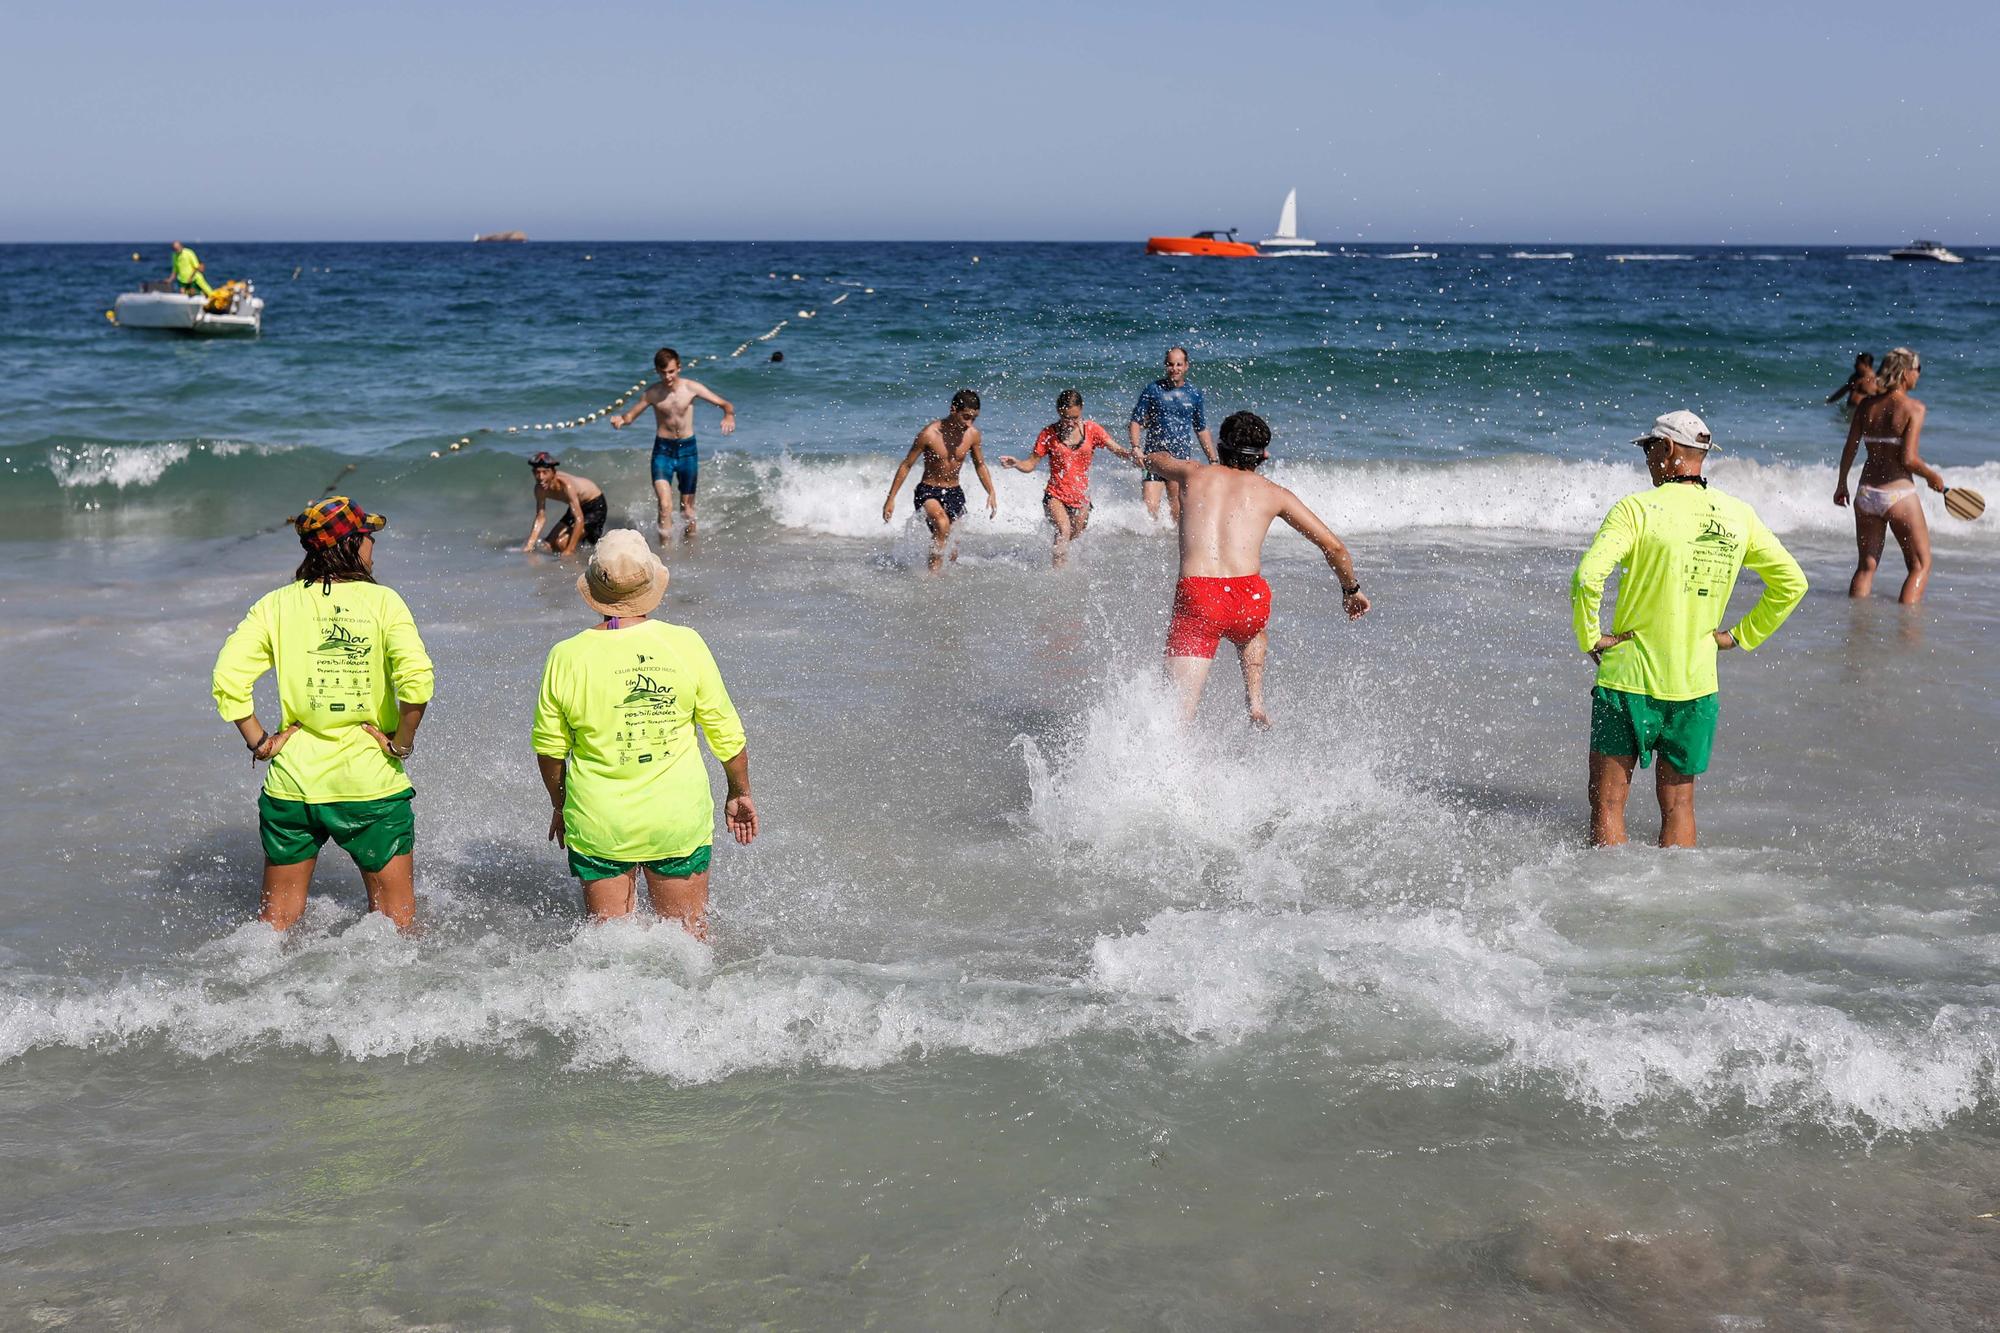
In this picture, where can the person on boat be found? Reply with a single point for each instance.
(614, 739)
(1888, 424)
(353, 682)
(1225, 514)
(944, 445)
(1168, 417)
(189, 271)
(676, 462)
(1068, 444)
(1682, 544)
(587, 510)
(1860, 383)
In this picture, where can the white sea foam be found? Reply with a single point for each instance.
(123, 466)
(843, 497)
(1443, 984)
(643, 998)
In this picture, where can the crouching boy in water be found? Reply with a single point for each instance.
(1225, 513)
(583, 522)
(351, 668)
(944, 445)
(614, 738)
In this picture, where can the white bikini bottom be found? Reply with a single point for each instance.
(1877, 501)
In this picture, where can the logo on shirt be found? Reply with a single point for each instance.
(646, 690)
(1713, 531)
(338, 640)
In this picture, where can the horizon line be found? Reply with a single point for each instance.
(884, 240)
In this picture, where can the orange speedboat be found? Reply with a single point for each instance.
(1217, 244)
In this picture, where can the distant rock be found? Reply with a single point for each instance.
(501, 236)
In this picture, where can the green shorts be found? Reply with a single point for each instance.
(587, 867)
(374, 833)
(1682, 730)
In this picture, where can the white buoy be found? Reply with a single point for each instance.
(797, 278)
(436, 454)
(454, 447)
(512, 429)
(868, 291)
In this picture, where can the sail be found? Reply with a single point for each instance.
(1288, 217)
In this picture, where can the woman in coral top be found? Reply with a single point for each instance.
(1067, 444)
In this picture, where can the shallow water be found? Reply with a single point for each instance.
(1027, 1009)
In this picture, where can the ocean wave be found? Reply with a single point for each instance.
(75, 466)
(635, 996)
(1519, 493)
(139, 466)
(1439, 983)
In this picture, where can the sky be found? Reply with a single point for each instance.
(1420, 121)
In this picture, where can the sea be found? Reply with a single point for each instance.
(1029, 1008)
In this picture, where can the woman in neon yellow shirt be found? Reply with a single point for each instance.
(614, 738)
(351, 668)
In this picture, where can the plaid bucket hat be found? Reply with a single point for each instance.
(326, 522)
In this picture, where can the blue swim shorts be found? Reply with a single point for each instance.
(676, 461)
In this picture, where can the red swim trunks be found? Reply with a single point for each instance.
(1207, 611)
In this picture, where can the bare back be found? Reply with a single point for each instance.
(1225, 516)
(1883, 424)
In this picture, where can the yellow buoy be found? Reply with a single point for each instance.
(135, 256)
(111, 315)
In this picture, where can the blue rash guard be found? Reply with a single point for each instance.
(1169, 418)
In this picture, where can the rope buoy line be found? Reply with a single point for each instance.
(587, 418)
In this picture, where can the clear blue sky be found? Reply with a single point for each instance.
(1433, 121)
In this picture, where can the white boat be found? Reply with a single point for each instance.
(1286, 240)
(160, 305)
(1929, 250)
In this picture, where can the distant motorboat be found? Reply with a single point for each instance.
(1215, 244)
(1926, 250)
(234, 307)
(1286, 240)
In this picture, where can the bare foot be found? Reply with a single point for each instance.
(1260, 719)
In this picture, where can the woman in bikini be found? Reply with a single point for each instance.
(1888, 425)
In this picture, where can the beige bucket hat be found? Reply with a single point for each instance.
(624, 577)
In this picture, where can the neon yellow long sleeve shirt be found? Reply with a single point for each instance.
(1682, 547)
(344, 655)
(622, 706)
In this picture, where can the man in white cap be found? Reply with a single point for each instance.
(1682, 545)
(614, 736)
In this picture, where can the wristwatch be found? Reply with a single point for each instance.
(1346, 591)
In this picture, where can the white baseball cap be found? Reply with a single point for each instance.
(1681, 427)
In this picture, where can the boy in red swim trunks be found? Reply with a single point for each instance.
(1226, 510)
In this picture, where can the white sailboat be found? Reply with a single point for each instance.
(1287, 241)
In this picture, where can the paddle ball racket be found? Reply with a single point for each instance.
(1964, 504)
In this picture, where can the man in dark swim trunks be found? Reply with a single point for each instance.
(1225, 514)
(944, 445)
(587, 510)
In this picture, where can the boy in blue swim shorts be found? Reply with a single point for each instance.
(676, 462)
